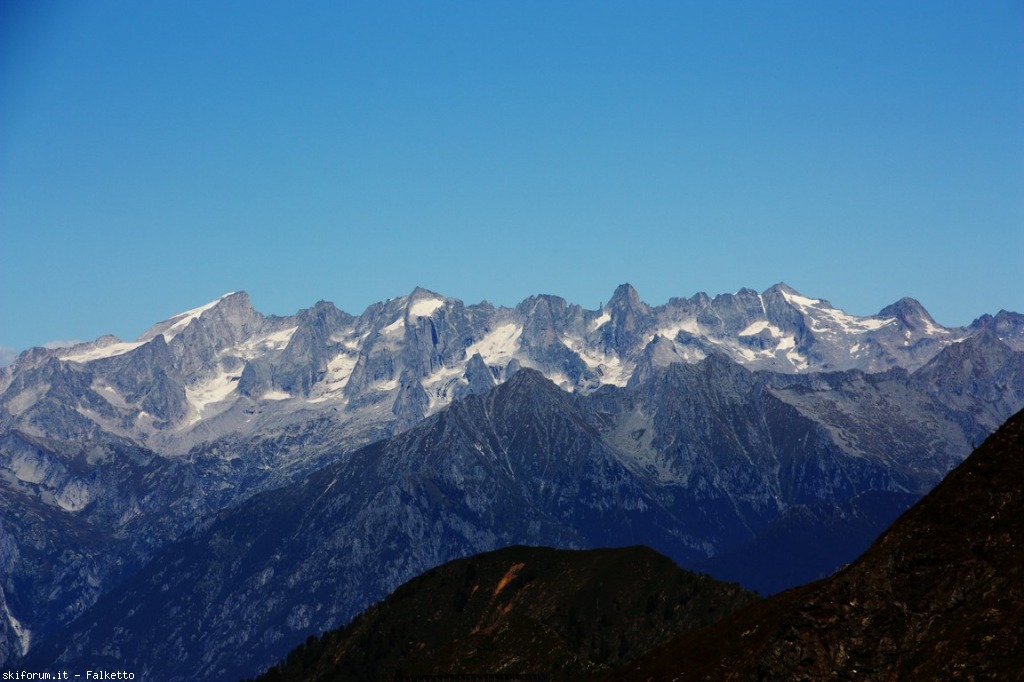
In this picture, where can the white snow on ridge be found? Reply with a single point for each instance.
(425, 307)
(857, 325)
(88, 352)
(801, 301)
(815, 309)
(182, 320)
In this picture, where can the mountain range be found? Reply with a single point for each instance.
(197, 501)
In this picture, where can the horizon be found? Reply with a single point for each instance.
(153, 157)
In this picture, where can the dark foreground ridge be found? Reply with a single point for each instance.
(521, 613)
(940, 596)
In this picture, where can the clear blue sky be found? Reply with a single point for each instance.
(154, 155)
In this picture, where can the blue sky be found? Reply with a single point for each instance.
(154, 155)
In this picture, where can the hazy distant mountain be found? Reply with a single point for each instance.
(701, 427)
(940, 596)
(520, 610)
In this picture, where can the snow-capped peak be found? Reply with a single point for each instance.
(173, 326)
(824, 317)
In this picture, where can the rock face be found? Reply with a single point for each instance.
(518, 611)
(697, 427)
(940, 596)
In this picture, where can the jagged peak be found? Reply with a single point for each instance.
(528, 379)
(419, 292)
(795, 299)
(780, 287)
(910, 312)
(423, 302)
(322, 310)
(625, 296)
(548, 301)
(176, 323)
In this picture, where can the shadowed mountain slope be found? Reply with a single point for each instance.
(519, 611)
(939, 596)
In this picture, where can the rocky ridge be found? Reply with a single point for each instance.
(939, 596)
(517, 611)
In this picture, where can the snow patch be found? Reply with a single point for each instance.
(339, 371)
(97, 351)
(394, 327)
(425, 307)
(212, 391)
(110, 394)
(600, 321)
(347, 339)
(798, 361)
(271, 342)
(821, 314)
(755, 328)
(498, 346)
(561, 380)
(671, 332)
(611, 368)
